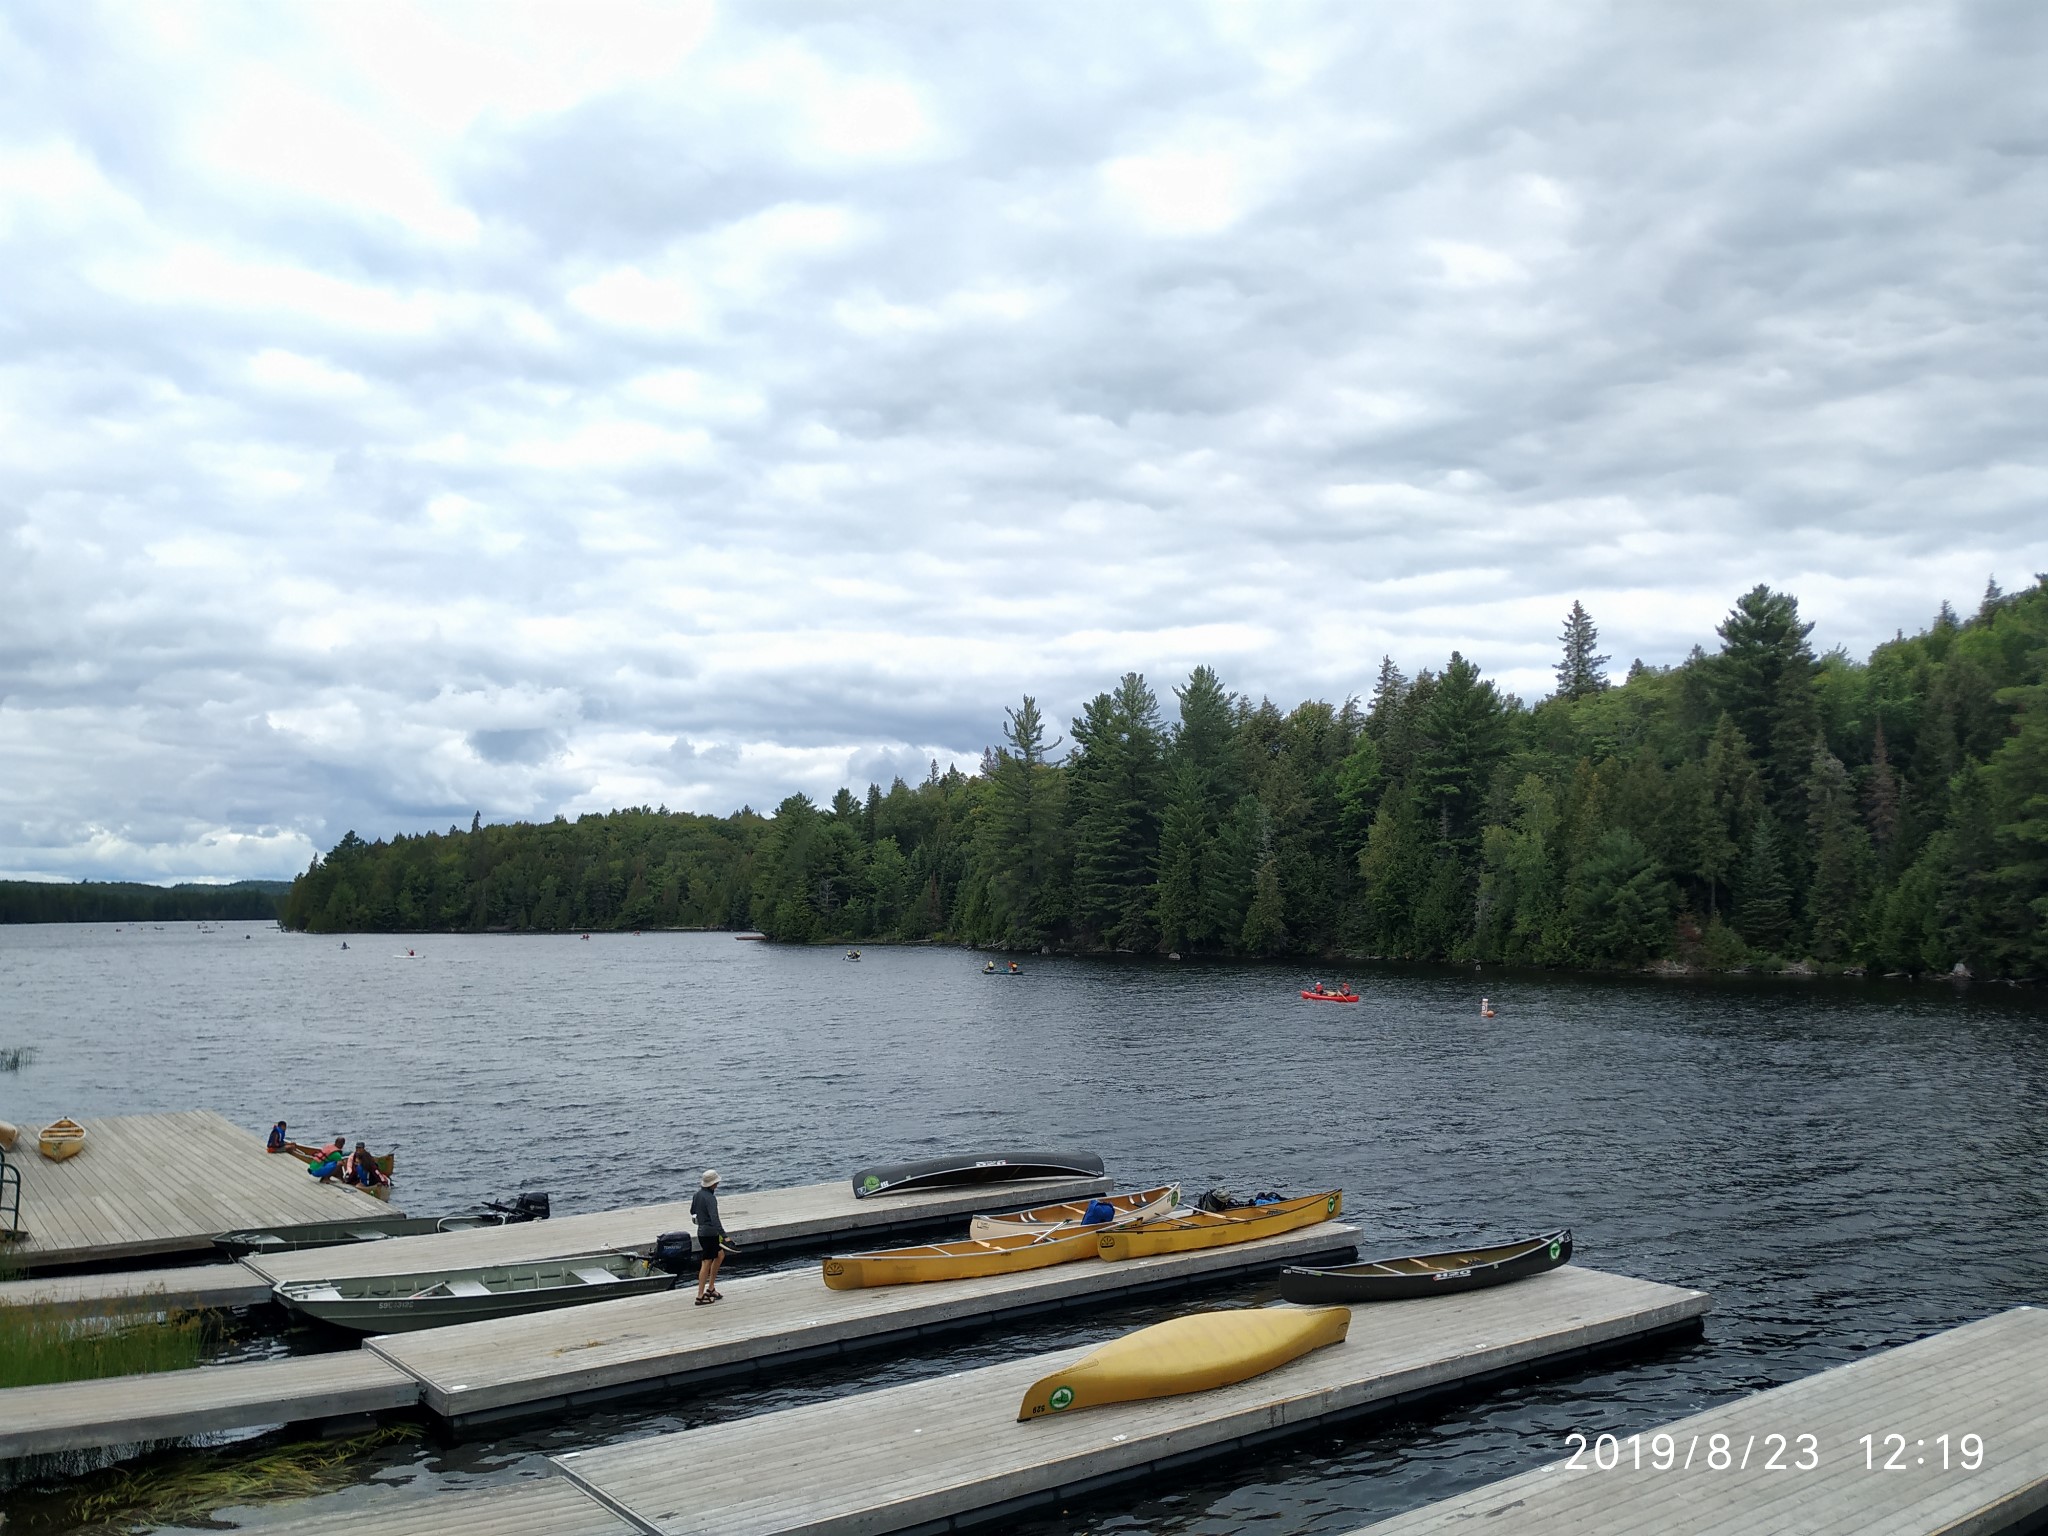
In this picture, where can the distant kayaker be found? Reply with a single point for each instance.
(989, 969)
(710, 1237)
(1485, 1009)
(1013, 969)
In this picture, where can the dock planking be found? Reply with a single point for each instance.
(1988, 1378)
(173, 1405)
(547, 1506)
(935, 1453)
(119, 1293)
(757, 1220)
(551, 1360)
(129, 1192)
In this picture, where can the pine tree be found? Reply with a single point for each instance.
(1881, 796)
(1841, 851)
(1019, 844)
(1265, 929)
(1763, 906)
(1765, 676)
(1183, 839)
(1115, 780)
(1580, 673)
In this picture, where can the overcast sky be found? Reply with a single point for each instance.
(410, 411)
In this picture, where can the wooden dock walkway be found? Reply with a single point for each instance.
(760, 1221)
(129, 1193)
(546, 1506)
(931, 1453)
(547, 1360)
(171, 1405)
(1916, 1402)
(552, 1360)
(126, 1292)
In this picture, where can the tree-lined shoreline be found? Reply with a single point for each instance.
(1754, 806)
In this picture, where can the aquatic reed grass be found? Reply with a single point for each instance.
(36, 1348)
(187, 1489)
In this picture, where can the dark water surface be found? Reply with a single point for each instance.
(1842, 1165)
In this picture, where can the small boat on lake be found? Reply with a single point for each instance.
(1197, 1353)
(1109, 1209)
(387, 1164)
(332, 1234)
(1319, 996)
(404, 1303)
(61, 1139)
(1428, 1274)
(1184, 1232)
(974, 1168)
(929, 1262)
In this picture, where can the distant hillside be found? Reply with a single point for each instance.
(110, 901)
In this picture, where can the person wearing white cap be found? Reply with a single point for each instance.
(710, 1237)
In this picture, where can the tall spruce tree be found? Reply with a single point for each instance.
(1763, 902)
(1019, 842)
(1581, 672)
(1115, 778)
(1765, 674)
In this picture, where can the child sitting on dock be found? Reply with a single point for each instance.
(278, 1140)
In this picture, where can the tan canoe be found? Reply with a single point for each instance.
(61, 1139)
(1135, 1206)
(1218, 1229)
(961, 1261)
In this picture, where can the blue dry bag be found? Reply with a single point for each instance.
(1098, 1212)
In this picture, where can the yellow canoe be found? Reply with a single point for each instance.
(1132, 1207)
(1187, 1354)
(61, 1139)
(960, 1261)
(1217, 1229)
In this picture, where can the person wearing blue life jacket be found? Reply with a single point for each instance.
(278, 1140)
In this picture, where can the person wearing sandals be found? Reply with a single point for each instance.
(710, 1237)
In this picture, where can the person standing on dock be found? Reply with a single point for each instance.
(710, 1236)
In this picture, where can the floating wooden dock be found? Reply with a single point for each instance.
(171, 1405)
(1915, 1403)
(547, 1506)
(132, 1192)
(549, 1360)
(126, 1292)
(932, 1453)
(552, 1360)
(760, 1221)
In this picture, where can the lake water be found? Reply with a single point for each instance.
(1842, 1165)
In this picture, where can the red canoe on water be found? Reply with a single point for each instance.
(1331, 997)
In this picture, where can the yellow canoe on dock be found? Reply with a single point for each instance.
(961, 1261)
(1186, 1354)
(1135, 1206)
(1217, 1229)
(61, 1139)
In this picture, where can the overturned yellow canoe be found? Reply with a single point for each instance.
(1187, 1354)
(1068, 1213)
(1218, 1229)
(960, 1261)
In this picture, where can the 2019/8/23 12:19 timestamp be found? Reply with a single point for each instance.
(1895, 1453)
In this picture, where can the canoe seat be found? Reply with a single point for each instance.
(465, 1288)
(592, 1274)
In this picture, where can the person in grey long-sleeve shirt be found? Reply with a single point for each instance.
(710, 1237)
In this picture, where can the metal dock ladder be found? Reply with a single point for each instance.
(10, 1200)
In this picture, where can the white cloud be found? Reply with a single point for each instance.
(402, 416)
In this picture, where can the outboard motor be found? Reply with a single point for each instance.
(672, 1254)
(528, 1205)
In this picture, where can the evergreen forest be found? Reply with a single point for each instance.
(108, 901)
(1757, 804)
